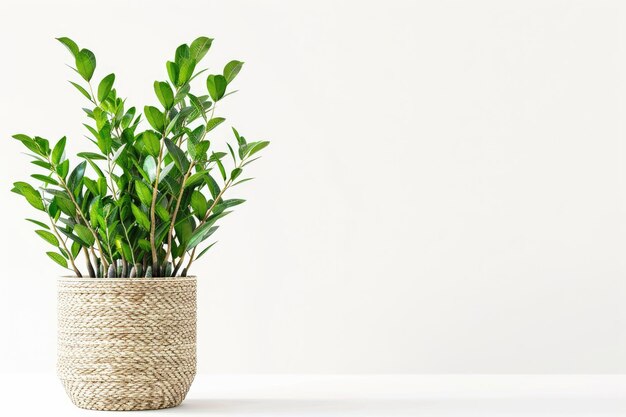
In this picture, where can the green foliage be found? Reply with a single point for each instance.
(231, 70)
(86, 64)
(105, 87)
(145, 197)
(216, 84)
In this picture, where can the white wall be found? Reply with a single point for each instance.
(445, 190)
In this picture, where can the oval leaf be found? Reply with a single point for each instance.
(216, 85)
(70, 45)
(57, 258)
(86, 63)
(105, 87)
(200, 47)
(84, 234)
(57, 152)
(149, 166)
(141, 217)
(164, 94)
(155, 117)
(48, 237)
(144, 193)
(231, 70)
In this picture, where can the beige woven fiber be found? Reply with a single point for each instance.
(127, 344)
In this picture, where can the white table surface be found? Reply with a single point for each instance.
(366, 395)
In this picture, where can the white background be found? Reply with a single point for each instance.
(445, 190)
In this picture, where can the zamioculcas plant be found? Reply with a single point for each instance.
(145, 201)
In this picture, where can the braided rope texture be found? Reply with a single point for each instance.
(126, 344)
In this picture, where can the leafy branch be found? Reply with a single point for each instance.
(153, 203)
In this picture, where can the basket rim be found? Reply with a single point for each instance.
(89, 279)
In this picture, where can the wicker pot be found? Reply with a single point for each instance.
(127, 344)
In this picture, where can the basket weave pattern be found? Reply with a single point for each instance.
(127, 344)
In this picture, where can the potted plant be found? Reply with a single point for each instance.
(139, 209)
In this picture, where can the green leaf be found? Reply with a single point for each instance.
(213, 123)
(92, 186)
(240, 139)
(30, 194)
(57, 258)
(184, 230)
(200, 47)
(182, 93)
(213, 187)
(216, 84)
(221, 168)
(29, 143)
(141, 217)
(84, 234)
(177, 155)
(38, 223)
(63, 168)
(76, 247)
(227, 204)
(186, 67)
(165, 171)
(199, 204)
(197, 105)
(45, 179)
(231, 70)
(118, 153)
(151, 142)
(144, 193)
(128, 117)
(162, 213)
(42, 164)
(235, 173)
(48, 237)
(199, 150)
(65, 205)
(200, 234)
(171, 125)
(232, 153)
(81, 90)
(195, 179)
(85, 63)
(172, 72)
(217, 156)
(95, 211)
(76, 177)
(149, 166)
(164, 94)
(102, 185)
(255, 147)
(196, 134)
(105, 87)
(155, 118)
(57, 152)
(205, 250)
(43, 144)
(182, 52)
(92, 130)
(70, 45)
(74, 238)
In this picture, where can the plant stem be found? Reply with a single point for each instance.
(92, 272)
(116, 199)
(69, 253)
(178, 264)
(175, 214)
(80, 213)
(155, 190)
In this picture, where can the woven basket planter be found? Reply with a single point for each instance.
(127, 344)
